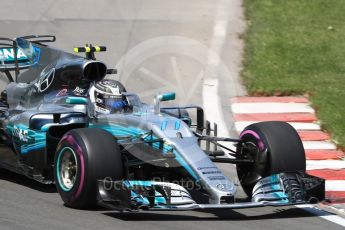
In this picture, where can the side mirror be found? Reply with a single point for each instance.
(163, 97)
(167, 96)
(77, 101)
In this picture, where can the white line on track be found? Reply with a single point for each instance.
(319, 145)
(325, 164)
(211, 99)
(335, 185)
(212, 105)
(271, 107)
(213, 108)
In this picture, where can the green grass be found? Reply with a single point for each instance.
(298, 47)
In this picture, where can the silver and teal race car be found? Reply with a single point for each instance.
(147, 157)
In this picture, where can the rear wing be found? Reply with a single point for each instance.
(12, 58)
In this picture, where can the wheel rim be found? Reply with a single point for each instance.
(67, 168)
(250, 174)
(247, 170)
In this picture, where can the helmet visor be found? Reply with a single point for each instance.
(113, 104)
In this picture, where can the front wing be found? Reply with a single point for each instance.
(277, 190)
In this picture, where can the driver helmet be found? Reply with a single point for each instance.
(107, 97)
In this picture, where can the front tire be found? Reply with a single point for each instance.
(83, 157)
(274, 146)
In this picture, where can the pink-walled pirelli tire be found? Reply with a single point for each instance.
(274, 146)
(84, 156)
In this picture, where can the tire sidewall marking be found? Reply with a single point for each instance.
(261, 143)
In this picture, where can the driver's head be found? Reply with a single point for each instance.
(107, 97)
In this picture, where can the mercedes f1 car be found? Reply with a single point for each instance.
(148, 157)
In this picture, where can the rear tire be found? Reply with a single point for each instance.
(83, 157)
(274, 146)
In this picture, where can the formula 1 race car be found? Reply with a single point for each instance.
(147, 157)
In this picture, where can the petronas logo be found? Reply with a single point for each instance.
(7, 54)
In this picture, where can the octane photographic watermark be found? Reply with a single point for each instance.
(188, 184)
